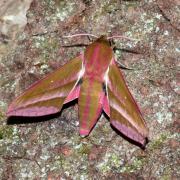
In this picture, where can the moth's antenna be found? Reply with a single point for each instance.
(82, 34)
(108, 38)
(123, 37)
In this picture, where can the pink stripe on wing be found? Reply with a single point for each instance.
(129, 132)
(33, 111)
(74, 94)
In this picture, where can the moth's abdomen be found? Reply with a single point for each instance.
(90, 104)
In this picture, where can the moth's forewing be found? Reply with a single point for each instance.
(124, 112)
(48, 95)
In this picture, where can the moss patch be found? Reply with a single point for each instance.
(157, 143)
(6, 132)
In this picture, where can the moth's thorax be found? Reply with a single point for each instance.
(97, 58)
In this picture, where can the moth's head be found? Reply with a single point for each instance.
(103, 39)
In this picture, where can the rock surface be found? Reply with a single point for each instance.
(53, 149)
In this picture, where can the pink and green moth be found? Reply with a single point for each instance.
(95, 79)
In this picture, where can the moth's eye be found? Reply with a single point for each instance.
(80, 82)
(104, 88)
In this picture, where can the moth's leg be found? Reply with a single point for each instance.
(126, 50)
(90, 39)
(75, 45)
(122, 66)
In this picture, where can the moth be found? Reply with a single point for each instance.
(96, 80)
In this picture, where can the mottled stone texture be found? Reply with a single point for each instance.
(52, 148)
